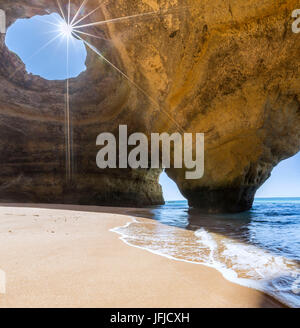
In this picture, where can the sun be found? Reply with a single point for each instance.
(66, 29)
(70, 28)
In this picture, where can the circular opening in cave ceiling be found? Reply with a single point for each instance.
(47, 47)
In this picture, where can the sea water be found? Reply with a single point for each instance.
(259, 249)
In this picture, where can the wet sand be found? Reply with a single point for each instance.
(66, 256)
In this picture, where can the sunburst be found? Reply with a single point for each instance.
(73, 27)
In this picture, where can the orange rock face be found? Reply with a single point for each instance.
(229, 69)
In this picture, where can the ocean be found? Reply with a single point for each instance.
(259, 249)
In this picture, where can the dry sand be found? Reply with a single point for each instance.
(65, 256)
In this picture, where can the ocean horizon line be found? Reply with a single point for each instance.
(256, 198)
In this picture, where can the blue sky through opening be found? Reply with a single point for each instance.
(26, 36)
(285, 180)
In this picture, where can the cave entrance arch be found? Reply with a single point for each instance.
(171, 191)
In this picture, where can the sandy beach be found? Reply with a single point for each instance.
(66, 256)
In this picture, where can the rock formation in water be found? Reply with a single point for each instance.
(229, 69)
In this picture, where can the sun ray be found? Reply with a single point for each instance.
(69, 12)
(36, 53)
(46, 45)
(68, 122)
(119, 19)
(89, 14)
(52, 31)
(92, 35)
(93, 48)
(78, 11)
(59, 42)
(61, 10)
(58, 19)
(46, 21)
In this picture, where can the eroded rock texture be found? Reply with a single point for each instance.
(227, 68)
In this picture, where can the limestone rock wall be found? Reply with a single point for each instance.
(227, 68)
